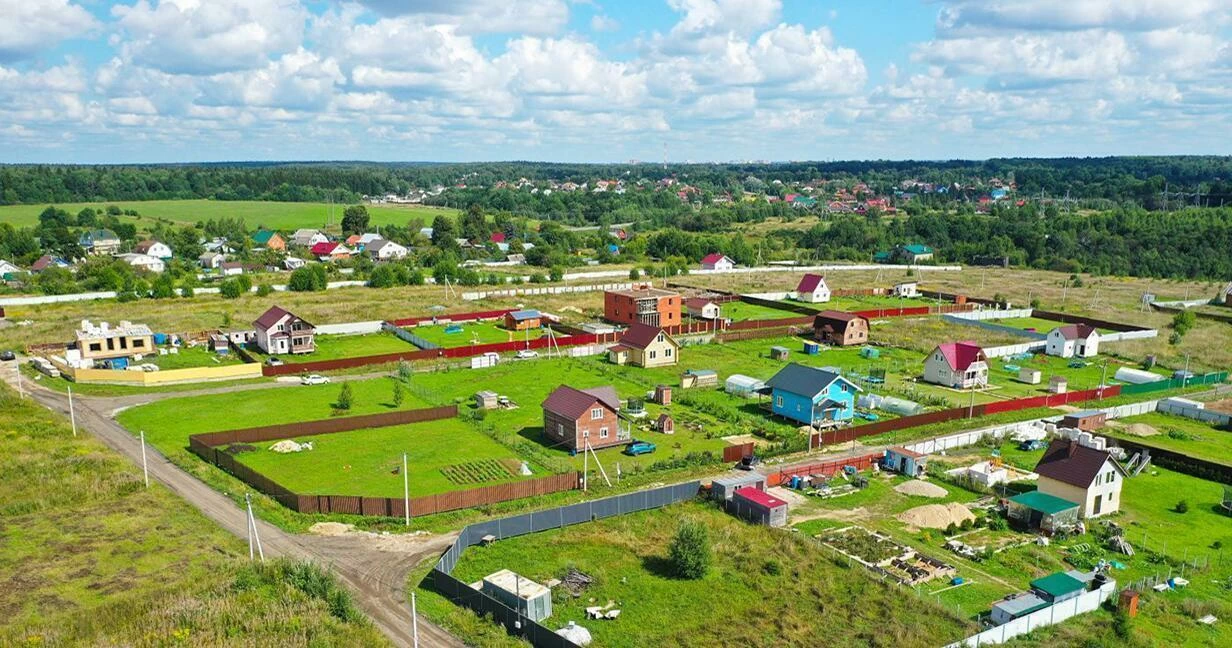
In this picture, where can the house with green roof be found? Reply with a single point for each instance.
(1036, 510)
(269, 239)
(910, 253)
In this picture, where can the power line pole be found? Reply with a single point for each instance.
(414, 624)
(145, 466)
(406, 491)
(253, 537)
(72, 414)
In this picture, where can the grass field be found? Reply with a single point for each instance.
(333, 347)
(473, 333)
(190, 357)
(91, 557)
(363, 462)
(1179, 434)
(255, 213)
(742, 311)
(765, 588)
(1040, 324)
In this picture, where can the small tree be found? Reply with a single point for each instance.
(345, 399)
(690, 550)
(264, 290)
(404, 370)
(230, 289)
(556, 273)
(397, 394)
(186, 292)
(634, 274)
(1182, 506)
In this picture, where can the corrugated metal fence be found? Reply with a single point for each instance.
(462, 594)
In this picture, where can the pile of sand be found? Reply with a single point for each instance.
(1140, 429)
(936, 516)
(921, 489)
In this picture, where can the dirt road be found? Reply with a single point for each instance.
(376, 575)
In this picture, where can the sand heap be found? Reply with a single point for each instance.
(936, 516)
(921, 489)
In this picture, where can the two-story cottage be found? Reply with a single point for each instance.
(840, 329)
(270, 240)
(812, 396)
(1086, 476)
(960, 365)
(308, 237)
(156, 249)
(384, 250)
(574, 417)
(645, 346)
(99, 241)
(813, 289)
(642, 305)
(1073, 340)
(279, 331)
(717, 261)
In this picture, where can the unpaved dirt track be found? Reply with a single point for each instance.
(376, 577)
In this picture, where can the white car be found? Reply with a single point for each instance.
(527, 353)
(314, 379)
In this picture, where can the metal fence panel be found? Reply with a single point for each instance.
(575, 514)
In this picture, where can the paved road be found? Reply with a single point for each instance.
(375, 572)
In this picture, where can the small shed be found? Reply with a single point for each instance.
(618, 354)
(758, 506)
(1058, 587)
(666, 424)
(1085, 420)
(1036, 510)
(486, 399)
(663, 394)
(779, 353)
(811, 348)
(1058, 385)
(520, 320)
(904, 461)
(1029, 376)
(1016, 606)
(722, 488)
(219, 343)
(529, 598)
(741, 385)
(699, 378)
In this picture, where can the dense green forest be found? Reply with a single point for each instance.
(1140, 180)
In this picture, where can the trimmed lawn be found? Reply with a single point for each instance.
(255, 213)
(742, 311)
(172, 420)
(191, 357)
(768, 587)
(333, 347)
(1178, 434)
(473, 333)
(1040, 324)
(369, 462)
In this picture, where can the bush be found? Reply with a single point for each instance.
(556, 273)
(186, 292)
(1182, 506)
(538, 278)
(264, 290)
(634, 274)
(230, 289)
(345, 398)
(689, 552)
(308, 278)
(951, 529)
(1183, 321)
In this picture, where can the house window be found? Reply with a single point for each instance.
(652, 355)
(585, 434)
(96, 346)
(667, 352)
(660, 339)
(281, 328)
(602, 433)
(560, 429)
(596, 413)
(138, 344)
(778, 401)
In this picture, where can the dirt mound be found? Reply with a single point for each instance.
(936, 516)
(921, 489)
(331, 528)
(1140, 429)
(383, 541)
(1223, 405)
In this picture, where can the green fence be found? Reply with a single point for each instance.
(1174, 383)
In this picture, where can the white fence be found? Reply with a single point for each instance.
(987, 314)
(545, 290)
(350, 328)
(833, 268)
(972, 437)
(1131, 409)
(954, 318)
(1050, 615)
(1011, 349)
(1206, 416)
(1120, 336)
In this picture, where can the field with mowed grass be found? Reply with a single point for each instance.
(333, 347)
(1176, 433)
(443, 456)
(190, 357)
(765, 587)
(254, 213)
(742, 311)
(92, 557)
(468, 333)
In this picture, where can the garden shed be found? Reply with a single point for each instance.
(486, 399)
(1085, 420)
(666, 424)
(758, 506)
(905, 462)
(1036, 510)
(722, 488)
(1029, 376)
(699, 378)
(529, 598)
(1058, 385)
(779, 352)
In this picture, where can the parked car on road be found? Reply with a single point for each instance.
(7, 356)
(314, 379)
(749, 462)
(639, 448)
(273, 362)
(527, 353)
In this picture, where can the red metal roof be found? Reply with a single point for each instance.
(497, 237)
(1076, 331)
(713, 257)
(960, 355)
(270, 317)
(323, 249)
(758, 496)
(809, 282)
(571, 402)
(903, 452)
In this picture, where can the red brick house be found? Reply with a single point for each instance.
(571, 417)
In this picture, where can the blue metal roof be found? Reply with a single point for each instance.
(520, 315)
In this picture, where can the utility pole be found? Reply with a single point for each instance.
(253, 537)
(414, 623)
(406, 491)
(20, 389)
(72, 414)
(145, 466)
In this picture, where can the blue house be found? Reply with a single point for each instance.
(810, 395)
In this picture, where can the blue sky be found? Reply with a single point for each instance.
(91, 81)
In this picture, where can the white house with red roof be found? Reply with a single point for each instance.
(1073, 340)
(812, 289)
(717, 261)
(330, 251)
(961, 365)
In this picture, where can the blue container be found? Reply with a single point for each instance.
(957, 580)
(160, 338)
(119, 363)
(795, 481)
(812, 348)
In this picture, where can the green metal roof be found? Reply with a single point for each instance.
(917, 248)
(1043, 502)
(1058, 584)
(263, 236)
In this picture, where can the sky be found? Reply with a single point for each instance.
(93, 81)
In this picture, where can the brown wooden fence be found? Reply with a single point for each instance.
(827, 468)
(324, 426)
(737, 452)
(440, 503)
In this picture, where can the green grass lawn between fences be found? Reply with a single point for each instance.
(472, 333)
(1177, 433)
(333, 347)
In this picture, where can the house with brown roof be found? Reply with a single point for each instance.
(280, 331)
(1082, 474)
(702, 308)
(961, 365)
(840, 329)
(645, 346)
(575, 417)
(156, 249)
(1073, 340)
